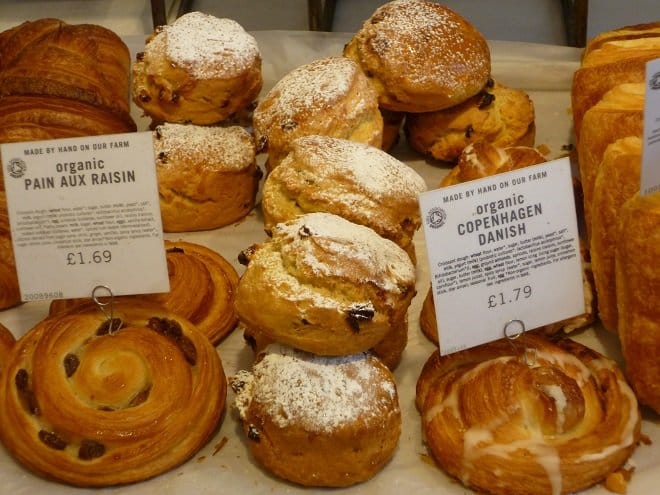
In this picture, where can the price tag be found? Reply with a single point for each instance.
(650, 174)
(85, 212)
(500, 249)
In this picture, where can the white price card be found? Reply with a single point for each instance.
(650, 175)
(503, 249)
(85, 212)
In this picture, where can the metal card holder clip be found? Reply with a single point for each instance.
(513, 329)
(106, 307)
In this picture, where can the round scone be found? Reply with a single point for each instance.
(499, 115)
(353, 180)
(526, 419)
(90, 401)
(420, 56)
(202, 289)
(325, 285)
(328, 97)
(207, 176)
(319, 421)
(200, 69)
(10, 294)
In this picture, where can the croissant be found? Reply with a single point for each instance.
(9, 292)
(557, 421)
(638, 294)
(82, 62)
(202, 289)
(95, 402)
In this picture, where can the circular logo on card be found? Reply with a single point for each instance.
(654, 82)
(16, 168)
(436, 217)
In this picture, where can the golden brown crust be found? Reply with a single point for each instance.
(612, 63)
(10, 294)
(7, 341)
(499, 115)
(616, 181)
(81, 62)
(420, 56)
(635, 31)
(345, 442)
(618, 114)
(325, 285)
(207, 176)
(200, 69)
(202, 289)
(558, 422)
(353, 180)
(90, 408)
(638, 294)
(327, 97)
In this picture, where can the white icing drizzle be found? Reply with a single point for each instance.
(319, 393)
(557, 394)
(207, 46)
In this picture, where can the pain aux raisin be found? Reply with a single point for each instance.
(359, 314)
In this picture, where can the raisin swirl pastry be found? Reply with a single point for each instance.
(202, 289)
(558, 422)
(325, 285)
(95, 402)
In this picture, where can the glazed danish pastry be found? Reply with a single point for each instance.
(556, 423)
(203, 286)
(319, 421)
(325, 285)
(90, 401)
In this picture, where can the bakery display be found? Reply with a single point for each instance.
(497, 114)
(638, 294)
(9, 291)
(616, 181)
(532, 418)
(325, 285)
(91, 401)
(420, 56)
(207, 175)
(346, 441)
(353, 180)
(618, 114)
(330, 96)
(203, 288)
(199, 70)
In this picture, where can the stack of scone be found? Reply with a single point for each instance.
(325, 291)
(431, 68)
(622, 226)
(192, 78)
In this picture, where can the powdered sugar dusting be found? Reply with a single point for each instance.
(330, 245)
(207, 46)
(312, 86)
(375, 172)
(319, 393)
(231, 148)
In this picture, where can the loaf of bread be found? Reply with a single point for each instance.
(535, 418)
(327, 97)
(319, 421)
(420, 56)
(612, 58)
(638, 294)
(90, 401)
(353, 180)
(200, 69)
(617, 180)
